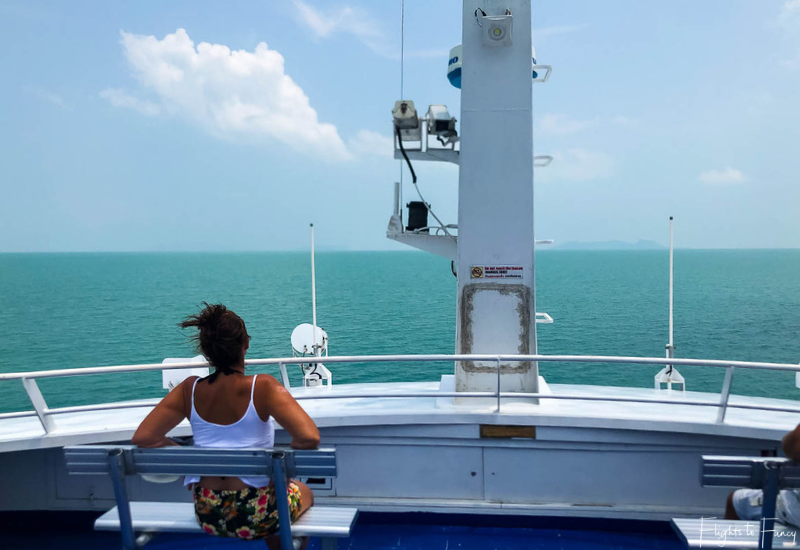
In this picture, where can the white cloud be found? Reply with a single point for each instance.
(343, 19)
(45, 95)
(325, 23)
(790, 13)
(722, 177)
(620, 120)
(562, 125)
(229, 93)
(577, 165)
(120, 98)
(791, 63)
(367, 142)
(789, 21)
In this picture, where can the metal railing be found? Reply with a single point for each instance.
(45, 414)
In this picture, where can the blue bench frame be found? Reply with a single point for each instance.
(770, 474)
(120, 461)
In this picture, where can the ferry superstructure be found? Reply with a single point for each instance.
(494, 437)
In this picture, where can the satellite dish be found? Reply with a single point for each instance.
(303, 339)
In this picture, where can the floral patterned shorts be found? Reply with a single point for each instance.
(246, 514)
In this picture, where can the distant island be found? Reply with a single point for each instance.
(607, 245)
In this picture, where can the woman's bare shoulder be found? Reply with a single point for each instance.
(267, 382)
(266, 391)
(186, 387)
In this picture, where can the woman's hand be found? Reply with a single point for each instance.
(170, 411)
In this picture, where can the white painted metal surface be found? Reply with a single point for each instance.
(171, 378)
(315, 346)
(412, 446)
(18, 424)
(425, 403)
(495, 198)
(441, 245)
(39, 404)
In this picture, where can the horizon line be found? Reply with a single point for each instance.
(540, 248)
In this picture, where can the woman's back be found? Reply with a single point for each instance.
(224, 414)
(226, 400)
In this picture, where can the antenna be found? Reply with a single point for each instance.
(315, 347)
(670, 345)
(669, 374)
(311, 339)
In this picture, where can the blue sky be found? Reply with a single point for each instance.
(232, 126)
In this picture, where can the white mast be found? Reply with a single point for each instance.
(316, 348)
(670, 346)
(496, 299)
(669, 375)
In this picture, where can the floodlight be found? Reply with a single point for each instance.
(497, 30)
(406, 120)
(440, 123)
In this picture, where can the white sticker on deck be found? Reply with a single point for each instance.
(496, 272)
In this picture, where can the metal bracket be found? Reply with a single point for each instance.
(39, 404)
(543, 318)
(538, 69)
(436, 154)
(726, 392)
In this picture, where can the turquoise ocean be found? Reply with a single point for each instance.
(80, 310)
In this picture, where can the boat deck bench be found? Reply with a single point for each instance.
(768, 474)
(149, 518)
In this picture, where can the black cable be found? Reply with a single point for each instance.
(405, 156)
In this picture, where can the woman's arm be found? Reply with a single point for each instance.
(791, 444)
(152, 432)
(275, 400)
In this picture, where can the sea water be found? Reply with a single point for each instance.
(80, 310)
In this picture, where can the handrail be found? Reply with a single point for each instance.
(44, 413)
(80, 371)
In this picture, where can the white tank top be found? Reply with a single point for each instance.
(248, 431)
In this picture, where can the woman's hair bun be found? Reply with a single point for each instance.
(209, 316)
(220, 337)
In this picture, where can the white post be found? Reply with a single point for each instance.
(670, 345)
(397, 206)
(313, 296)
(496, 300)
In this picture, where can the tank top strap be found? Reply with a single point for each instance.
(253, 391)
(194, 412)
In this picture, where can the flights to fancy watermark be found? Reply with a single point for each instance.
(726, 532)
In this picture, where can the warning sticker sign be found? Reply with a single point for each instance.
(496, 272)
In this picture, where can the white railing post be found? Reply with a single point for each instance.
(498, 384)
(284, 376)
(39, 404)
(726, 392)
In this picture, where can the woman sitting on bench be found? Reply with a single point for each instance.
(233, 410)
(747, 504)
